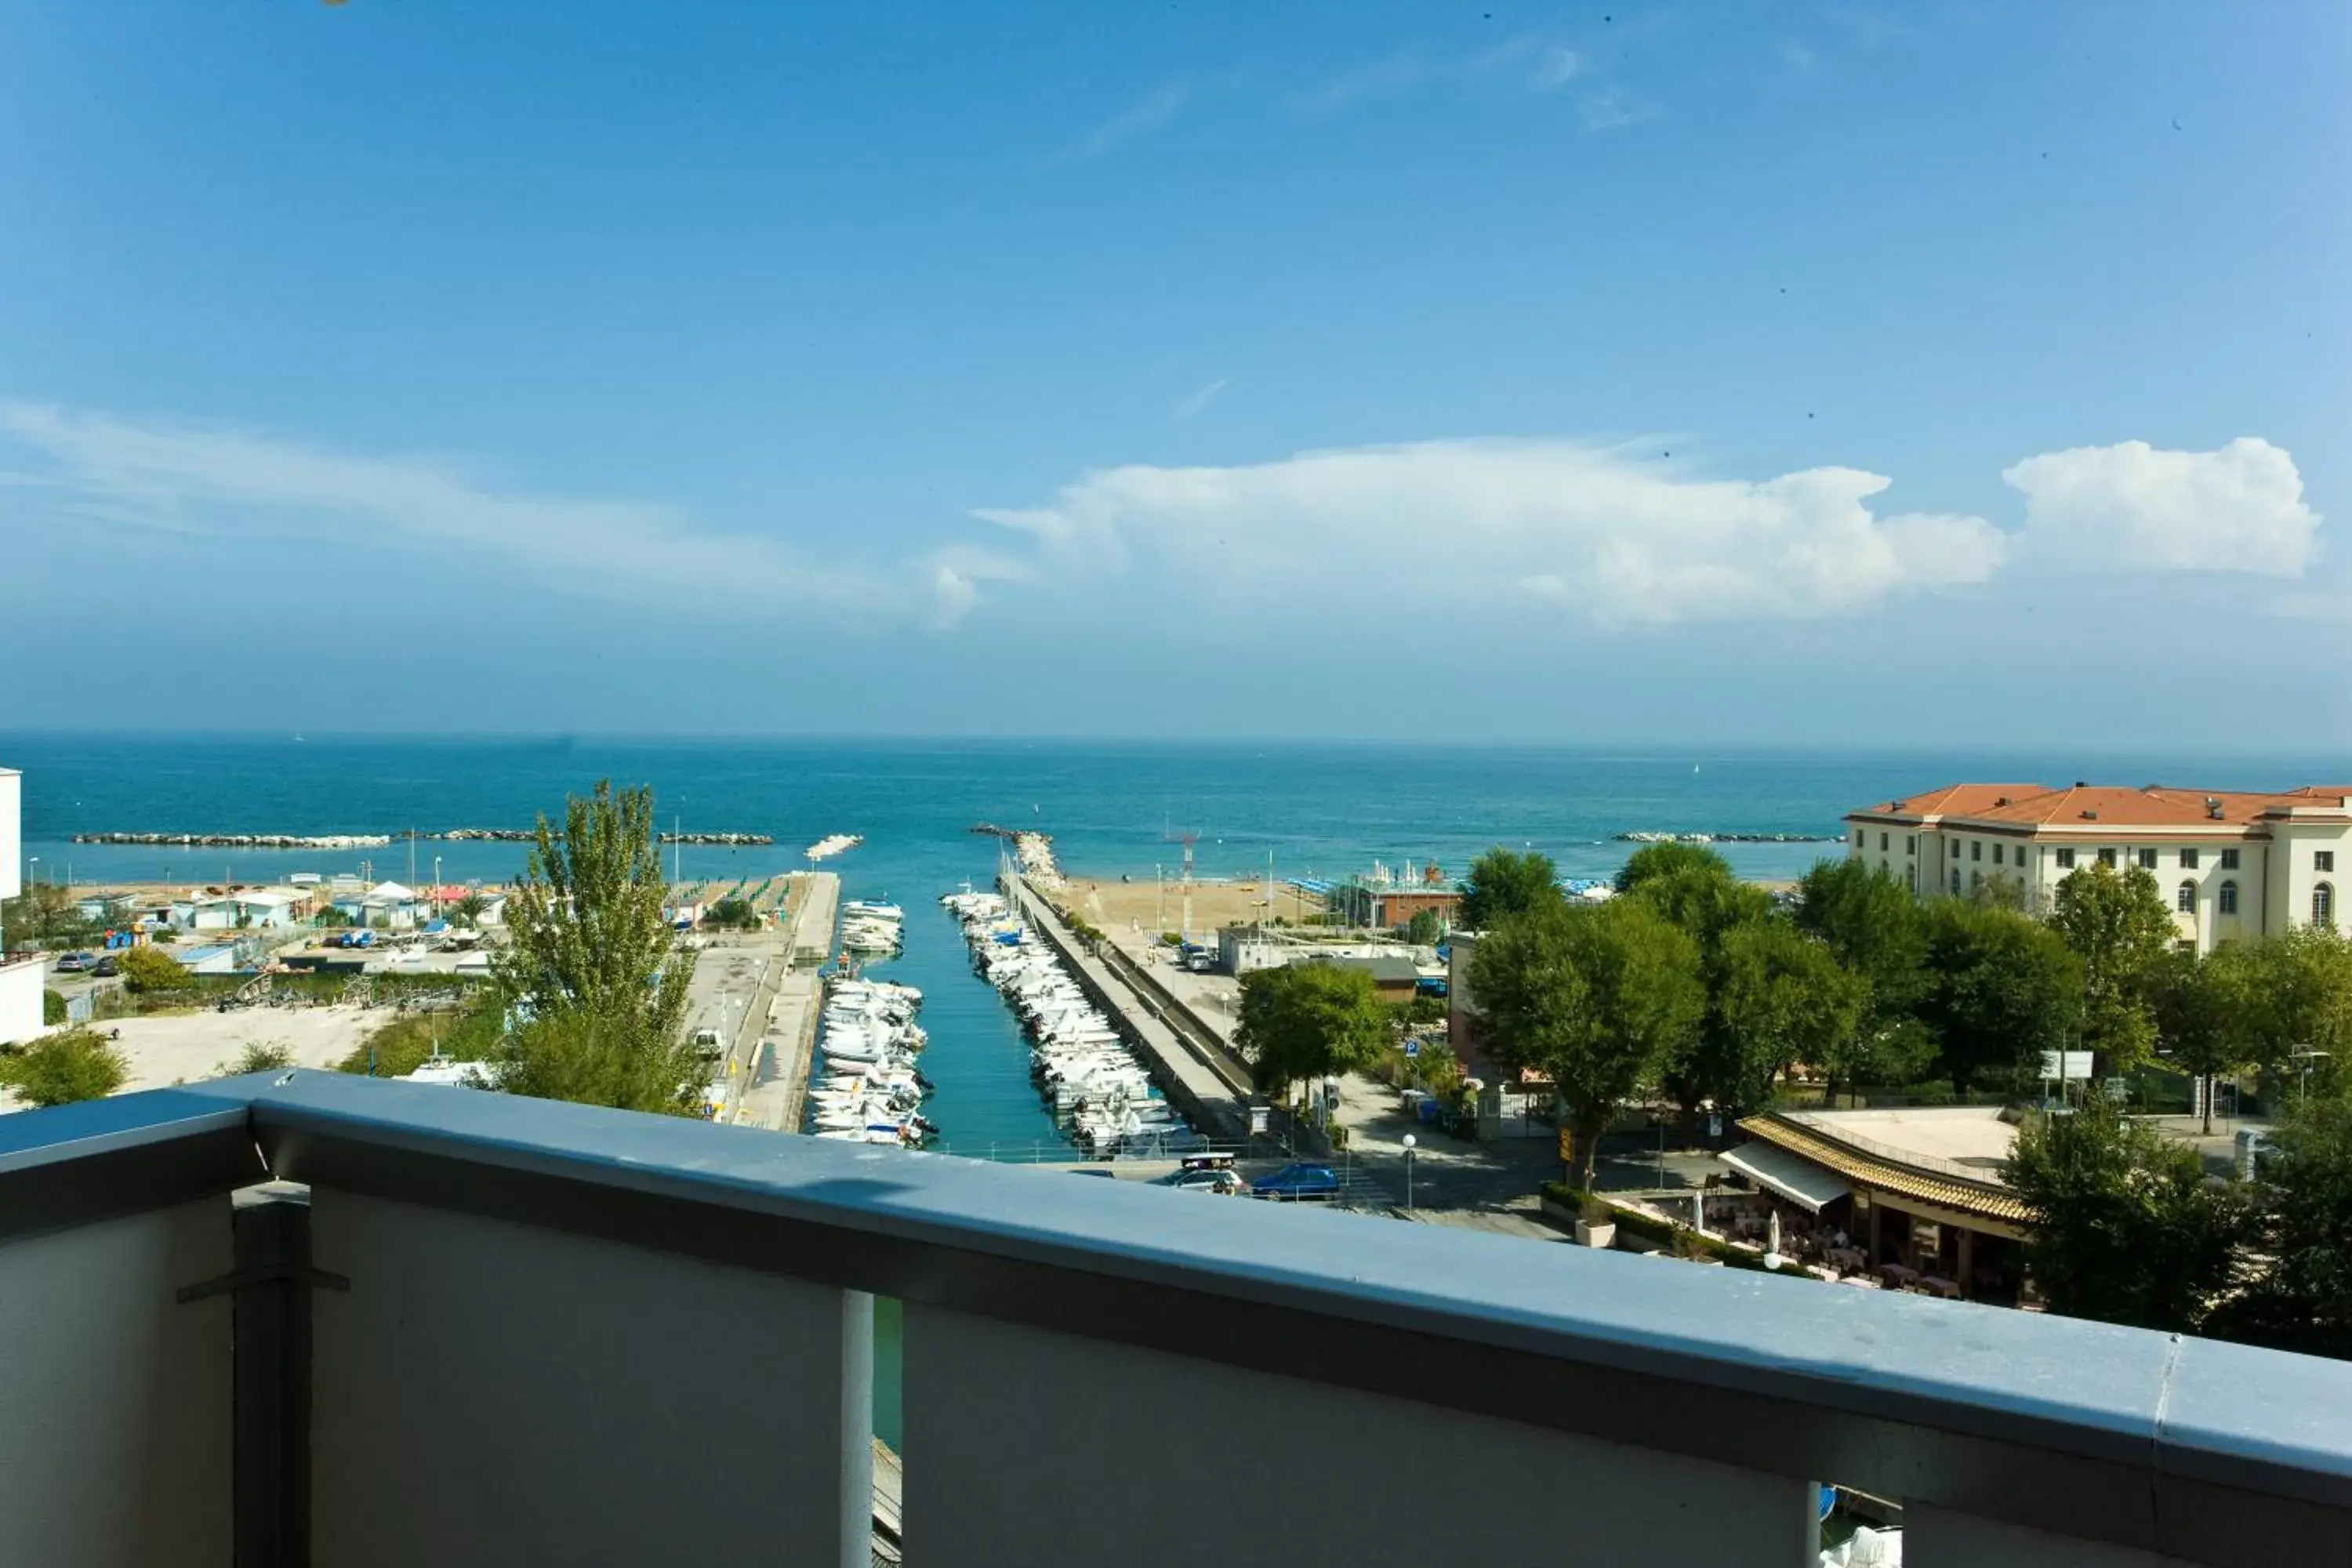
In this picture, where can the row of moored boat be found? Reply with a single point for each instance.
(867, 1088)
(1098, 1089)
(872, 930)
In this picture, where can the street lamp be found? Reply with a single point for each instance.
(1408, 1173)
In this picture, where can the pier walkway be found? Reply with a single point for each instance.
(817, 898)
(779, 1083)
(1209, 1098)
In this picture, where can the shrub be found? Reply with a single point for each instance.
(258, 1055)
(57, 1069)
(53, 1009)
(145, 969)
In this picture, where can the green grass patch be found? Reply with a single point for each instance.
(469, 1032)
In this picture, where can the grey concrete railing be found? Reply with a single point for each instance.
(537, 1333)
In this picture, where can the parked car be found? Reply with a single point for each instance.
(105, 969)
(72, 963)
(1299, 1180)
(1224, 1183)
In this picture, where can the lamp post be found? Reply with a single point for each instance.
(1408, 1173)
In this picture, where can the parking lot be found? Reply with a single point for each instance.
(169, 1048)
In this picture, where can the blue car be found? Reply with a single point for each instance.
(1296, 1182)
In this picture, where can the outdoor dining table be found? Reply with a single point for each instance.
(1847, 1258)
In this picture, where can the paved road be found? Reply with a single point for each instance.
(729, 993)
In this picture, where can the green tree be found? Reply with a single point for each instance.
(2302, 1299)
(1654, 862)
(2291, 992)
(1424, 930)
(2119, 924)
(1437, 1068)
(1874, 924)
(2005, 988)
(1705, 900)
(2200, 1005)
(594, 1057)
(1506, 882)
(734, 914)
(2000, 891)
(1778, 997)
(1307, 1021)
(1879, 933)
(590, 963)
(2125, 1227)
(47, 915)
(145, 969)
(1604, 999)
(59, 1069)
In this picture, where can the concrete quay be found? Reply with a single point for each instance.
(777, 1085)
(1208, 1096)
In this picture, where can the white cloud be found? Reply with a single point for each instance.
(1614, 538)
(109, 471)
(1557, 69)
(1148, 113)
(2137, 507)
(1361, 82)
(1200, 400)
(1610, 108)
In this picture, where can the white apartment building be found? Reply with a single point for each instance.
(20, 982)
(2232, 864)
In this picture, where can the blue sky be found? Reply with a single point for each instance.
(1720, 374)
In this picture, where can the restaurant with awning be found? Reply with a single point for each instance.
(1797, 1179)
(1916, 1191)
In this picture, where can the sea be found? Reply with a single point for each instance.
(1114, 808)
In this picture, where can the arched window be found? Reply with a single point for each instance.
(2322, 905)
(2185, 900)
(2229, 900)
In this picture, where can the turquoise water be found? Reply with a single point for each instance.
(1318, 809)
(1324, 809)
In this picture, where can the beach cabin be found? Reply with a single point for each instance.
(248, 909)
(104, 907)
(387, 906)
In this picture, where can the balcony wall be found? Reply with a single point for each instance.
(527, 1333)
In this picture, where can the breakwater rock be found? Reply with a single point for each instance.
(377, 840)
(1728, 838)
(243, 840)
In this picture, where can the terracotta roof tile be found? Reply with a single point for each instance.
(2104, 805)
(1986, 1200)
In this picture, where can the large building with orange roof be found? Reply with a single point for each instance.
(2231, 863)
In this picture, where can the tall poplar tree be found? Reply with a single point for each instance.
(590, 976)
